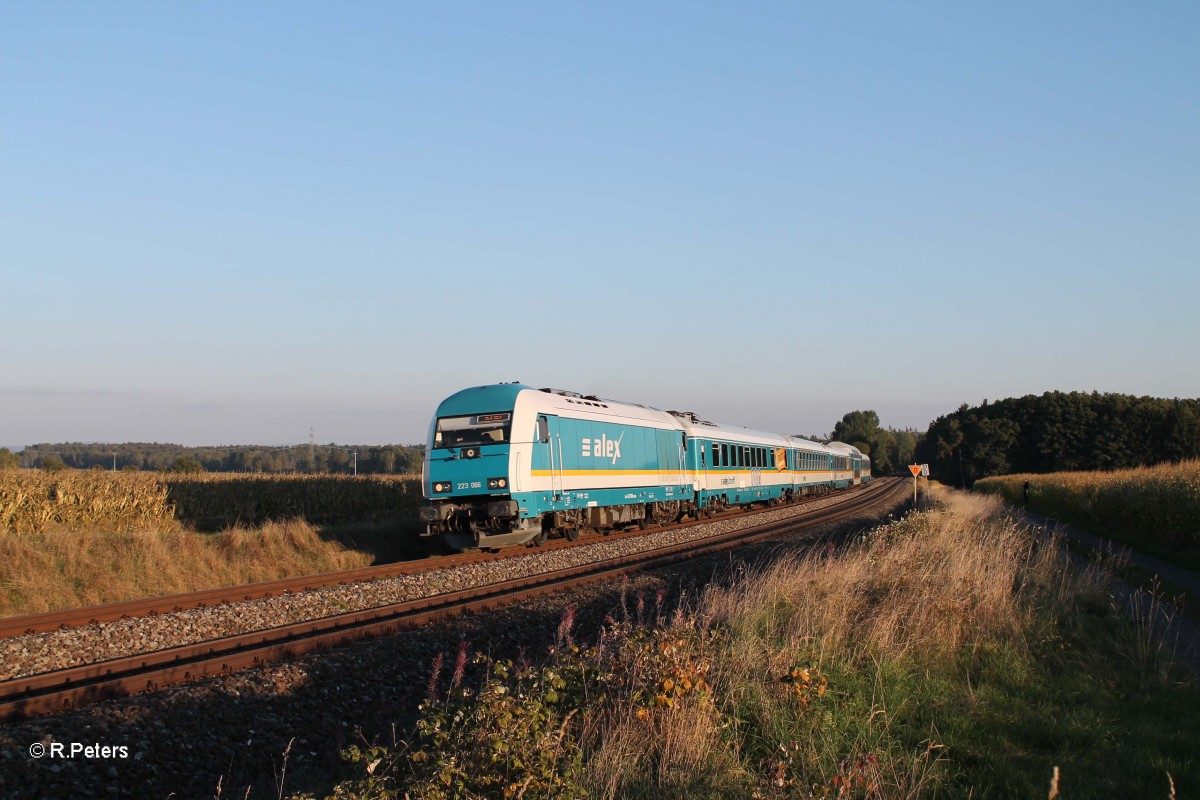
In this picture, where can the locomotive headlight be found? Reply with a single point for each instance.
(497, 483)
(441, 486)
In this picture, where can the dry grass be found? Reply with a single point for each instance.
(922, 594)
(1160, 502)
(902, 594)
(942, 655)
(64, 569)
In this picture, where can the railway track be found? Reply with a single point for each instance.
(82, 685)
(166, 604)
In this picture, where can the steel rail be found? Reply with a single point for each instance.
(165, 604)
(79, 686)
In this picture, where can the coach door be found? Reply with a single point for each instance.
(550, 445)
(683, 470)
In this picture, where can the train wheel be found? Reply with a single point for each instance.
(539, 539)
(571, 534)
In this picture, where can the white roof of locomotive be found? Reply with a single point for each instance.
(573, 405)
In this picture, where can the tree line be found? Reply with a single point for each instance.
(889, 449)
(1052, 432)
(323, 458)
(1060, 431)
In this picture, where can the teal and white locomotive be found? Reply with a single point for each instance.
(510, 464)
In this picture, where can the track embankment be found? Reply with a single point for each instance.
(67, 668)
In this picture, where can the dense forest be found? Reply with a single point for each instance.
(331, 458)
(1059, 431)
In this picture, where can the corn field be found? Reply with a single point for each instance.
(1161, 502)
(32, 501)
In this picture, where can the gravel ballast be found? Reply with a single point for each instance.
(43, 652)
(232, 731)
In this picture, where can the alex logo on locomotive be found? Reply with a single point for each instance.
(603, 447)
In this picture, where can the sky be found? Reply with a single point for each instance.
(232, 223)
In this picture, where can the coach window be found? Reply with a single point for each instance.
(724, 455)
(716, 455)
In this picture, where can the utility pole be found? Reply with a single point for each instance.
(355, 454)
(114, 462)
(312, 459)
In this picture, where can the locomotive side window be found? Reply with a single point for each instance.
(473, 430)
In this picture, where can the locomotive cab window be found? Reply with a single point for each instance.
(478, 429)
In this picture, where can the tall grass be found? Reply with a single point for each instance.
(948, 654)
(819, 654)
(65, 569)
(1160, 503)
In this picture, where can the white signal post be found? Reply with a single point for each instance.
(915, 469)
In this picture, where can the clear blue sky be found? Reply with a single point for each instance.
(228, 222)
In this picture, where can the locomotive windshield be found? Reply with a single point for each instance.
(473, 430)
